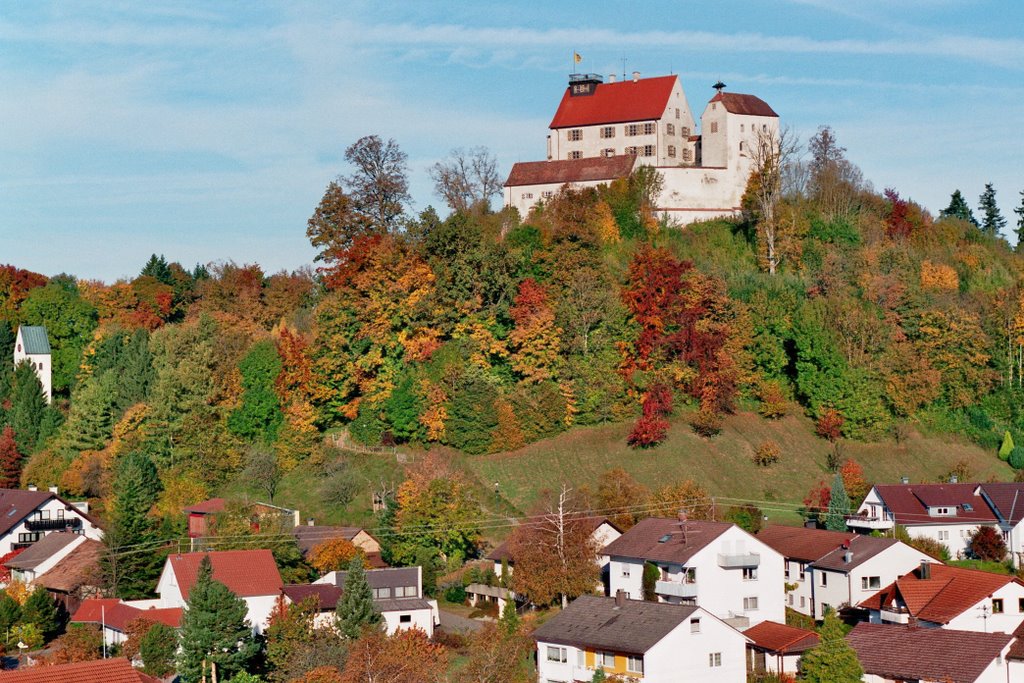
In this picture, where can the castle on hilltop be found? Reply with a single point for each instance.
(604, 130)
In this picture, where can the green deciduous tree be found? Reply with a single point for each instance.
(41, 610)
(259, 416)
(355, 610)
(833, 661)
(69, 322)
(214, 629)
(1007, 446)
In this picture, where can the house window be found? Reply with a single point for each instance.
(690, 575)
(556, 654)
(44, 514)
(670, 129)
(750, 573)
(803, 601)
(405, 592)
(635, 664)
(405, 619)
(803, 571)
(608, 132)
(750, 604)
(60, 513)
(824, 579)
(609, 152)
(714, 659)
(648, 150)
(671, 151)
(631, 150)
(381, 593)
(870, 583)
(19, 348)
(741, 127)
(581, 658)
(741, 145)
(714, 126)
(790, 599)
(625, 571)
(943, 535)
(527, 195)
(695, 625)
(1020, 604)
(548, 194)
(997, 606)
(632, 130)
(576, 155)
(575, 135)
(606, 659)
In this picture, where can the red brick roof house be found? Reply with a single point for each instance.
(939, 596)
(250, 574)
(776, 647)
(114, 615)
(116, 670)
(28, 516)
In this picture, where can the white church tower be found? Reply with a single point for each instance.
(33, 345)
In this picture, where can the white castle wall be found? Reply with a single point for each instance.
(692, 194)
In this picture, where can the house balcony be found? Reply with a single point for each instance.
(738, 561)
(53, 524)
(675, 589)
(895, 616)
(869, 523)
(21, 546)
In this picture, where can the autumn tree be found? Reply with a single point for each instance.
(496, 656)
(333, 554)
(853, 481)
(1019, 230)
(987, 544)
(10, 460)
(263, 470)
(555, 555)
(289, 627)
(897, 223)
(81, 643)
(832, 660)
(408, 656)
(652, 426)
(687, 496)
(817, 501)
(435, 514)
(620, 497)
(770, 152)
(379, 182)
(834, 181)
(992, 221)
(467, 179)
(356, 611)
(535, 339)
(838, 505)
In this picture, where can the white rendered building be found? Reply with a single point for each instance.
(33, 345)
(716, 565)
(28, 516)
(397, 594)
(642, 641)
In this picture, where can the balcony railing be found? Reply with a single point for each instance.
(19, 546)
(675, 589)
(895, 616)
(53, 524)
(740, 560)
(866, 522)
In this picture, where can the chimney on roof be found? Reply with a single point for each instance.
(54, 490)
(33, 487)
(926, 570)
(810, 523)
(636, 76)
(904, 480)
(310, 522)
(848, 556)
(620, 598)
(953, 479)
(611, 78)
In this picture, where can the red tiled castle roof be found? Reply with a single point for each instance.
(641, 100)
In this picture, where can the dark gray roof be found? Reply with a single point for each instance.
(307, 537)
(633, 628)
(644, 541)
(391, 577)
(35, 340)
(862, 549)
(401, 604)
(41, 550)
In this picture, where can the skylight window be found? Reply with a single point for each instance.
(968, 507)
(665, 538)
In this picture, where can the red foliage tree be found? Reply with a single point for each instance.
(10, 460)
(15, 285)
(987, 544)
(652, 426)
(5, 571)
(830, 425)
(817, 499)
(897, 223)
(853, 481)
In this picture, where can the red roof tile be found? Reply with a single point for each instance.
(801, 543)
(117, 615)
(642, 100)
(747, 105)
(246, 573)
(781, 638)
(207, 507)
(902, 653)
(98, 671)
(948, 593)
(909, 503)
(644, 541)
(1007, 498)
(570, 170)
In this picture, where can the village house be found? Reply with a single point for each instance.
(397, 595)
(114, 616)
(652, 642)
(66, 564)
(896, 654)
(32, 345)
(776, 648)
(202, 516)
(939, 596)
(250, 574)
(716, 565)
(114, 670)
(28, 516)
(309, 536)
(649, 122)
(835, 569)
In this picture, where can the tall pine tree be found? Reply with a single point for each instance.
(1020, 223)
(28, 406)
(131, 561)
(833, 660)
(992, 221)
(355, 610)
(838, 506)
(958, 208)
(214, 629)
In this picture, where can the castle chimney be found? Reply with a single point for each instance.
(620, 598)
(636, 76)
(926, 570)
(611, 78)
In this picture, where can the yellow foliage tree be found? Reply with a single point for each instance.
(938, 276)
(334, 555)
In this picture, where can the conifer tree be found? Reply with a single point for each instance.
(992, 221)
(355, 610)
(1007, 447)
(132, 574)
(10, 460)
(40, 609)
(1020, 223)
(156, 267)
(958, 208)
(833, 660)
(838, 505)
(10, 612)
(214, 630)
(509, 620)
(7, 340)
(28, 406)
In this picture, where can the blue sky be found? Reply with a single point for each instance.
(208, 131)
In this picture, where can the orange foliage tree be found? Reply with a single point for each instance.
(535, 339)
(406, 657)
(333, 555)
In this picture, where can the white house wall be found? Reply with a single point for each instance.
(684, 656)
(422, 619)
(87, 528)
(981, 619)
(847, 588)
(41, 363)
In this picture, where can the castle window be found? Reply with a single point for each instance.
(527, 195)
(631, 150)
(632, 130)
(575, 135)
(19, 348)
(608, 132)
(741, 145)
(672, 151)
(714, 126)
(576, 155)
(677, 113)
(670, 129)
(648, 150)
(684, 131)
(548, 194)
(687, 156)
(714, 106)
(649, 129)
